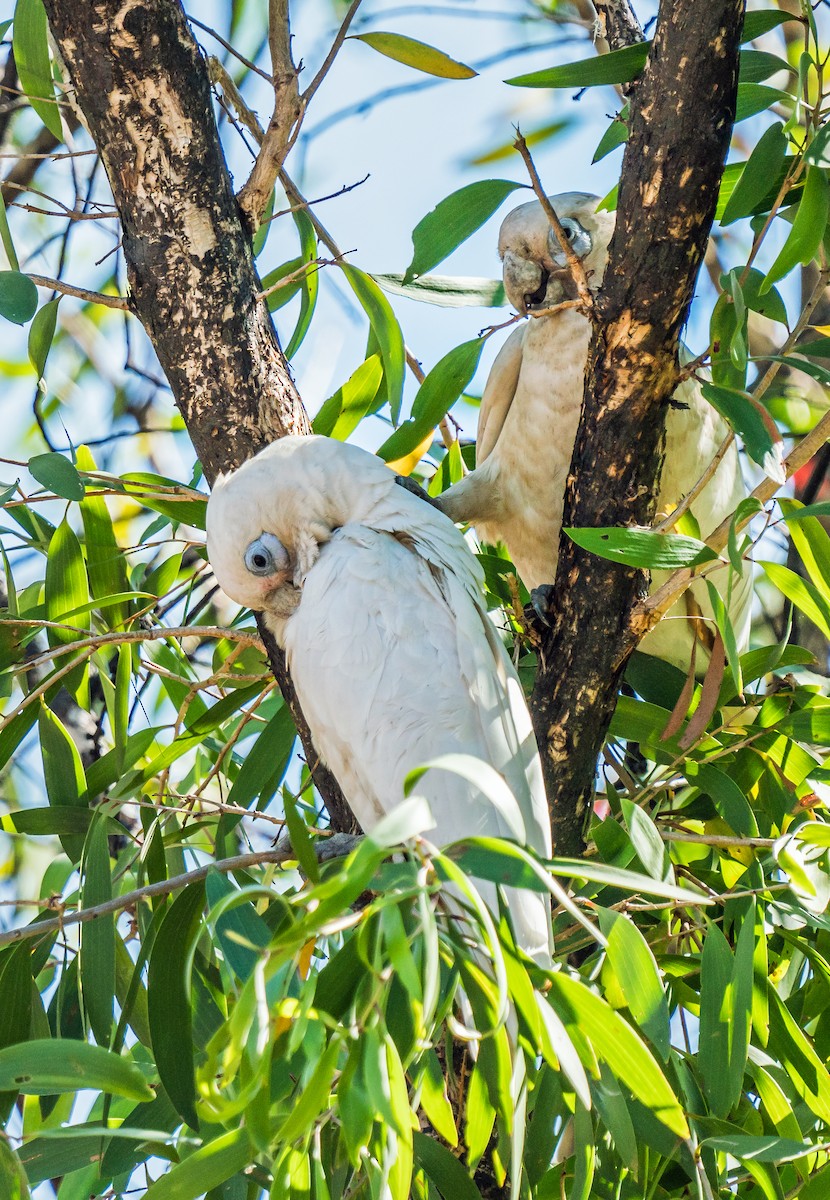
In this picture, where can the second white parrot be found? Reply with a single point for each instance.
(530, 413)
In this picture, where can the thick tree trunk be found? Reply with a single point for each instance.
(682, 113)
(141, 85)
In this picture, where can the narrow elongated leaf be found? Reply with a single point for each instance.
(41, 1067)
(342, 413)
(759, 1149)
(41, 333)
(618, 66)
(808, 228)
(6, 237)
(266, 761)
(447, 291)
(437, 394)
(18, 297)
(58, 474)
(444, 1169)
(105, 559)
(13, 1182)
(619, 1046)
(206, 1168)
(31, 54)
(794, 1051)
(804, 594)
(643, 547)
(637, 973)
(453, 220)
(97, 957)
(168, 1000)
(240, 930)
(386, 330)
(63, 773)
(751, 420)
(415, 54)
(309, 281)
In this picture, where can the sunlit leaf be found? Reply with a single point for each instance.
(31, 53)
(643, 547)
(453, 220)
(35, 1069)
(415, 54)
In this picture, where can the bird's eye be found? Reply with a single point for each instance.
(578, 239)
(266, 555)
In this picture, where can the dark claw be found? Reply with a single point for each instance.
(541, 600)
(411, 486)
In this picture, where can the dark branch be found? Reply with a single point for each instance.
(142, 85)
(682, 114)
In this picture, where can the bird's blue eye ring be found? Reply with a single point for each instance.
(265, 555)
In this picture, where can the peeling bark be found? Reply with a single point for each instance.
(682, 114)
(141, 83)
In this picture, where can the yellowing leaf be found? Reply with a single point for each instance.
(415, 54)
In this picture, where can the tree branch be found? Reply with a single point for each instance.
(681, 121)
(277, 141)
(141, 83)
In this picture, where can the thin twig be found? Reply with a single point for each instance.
(328, 61)
(692, 495)
(67, 289)
(246, 62)
(574, 262)
(162, 887)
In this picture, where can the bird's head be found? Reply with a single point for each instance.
(535, 270)
(267, 521)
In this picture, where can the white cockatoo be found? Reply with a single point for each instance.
(530, 413)
(376, 599)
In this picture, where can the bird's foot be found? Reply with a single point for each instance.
(541, 602)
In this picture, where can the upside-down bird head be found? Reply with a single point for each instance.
(267, 520)
(536, 273)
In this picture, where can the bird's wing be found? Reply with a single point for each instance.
(499, 391)
(394, 664)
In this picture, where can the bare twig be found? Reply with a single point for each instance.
(287, 111)
(690, 497)
(330, 57)
(67, 289)
(574, 263)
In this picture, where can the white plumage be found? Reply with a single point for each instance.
(376, 599)
(530, 413)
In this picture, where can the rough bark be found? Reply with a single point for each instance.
(682, 113)
(141, 84)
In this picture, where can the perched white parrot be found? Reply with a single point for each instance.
(376, 599)
(530, 413)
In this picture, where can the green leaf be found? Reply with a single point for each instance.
(31, 54)
(453, 220)
(758, 65)
(769, 304)
(415, 54)
(756, 24)
(447, 291)
(57, 474)
(761, 1149)
(805, 237)
(643, 547)
(444, 1169)
(436, 395)
(386, 330)
(619, 1046)
(618, 66)
(13, 1182)
(97, 956)
(278, 298)
(753, 185)
(6, 237)
(752, 421)
(168, 999)
(793, 1050)
(804, 594)
(341, 414)
(638, 976)
(615, 135)
(206, 1168)
(810, 539)
(63, 773)
(41, 332)
(309, 282)
(44, 1066)
(754, 98)
(240, 930)
(266, 761)
(301, 843)
(18, 297)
